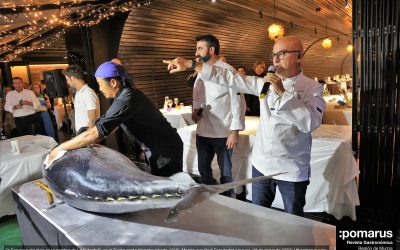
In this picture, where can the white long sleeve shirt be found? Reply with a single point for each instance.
(283, 138)
(223, 107)
(13, 98)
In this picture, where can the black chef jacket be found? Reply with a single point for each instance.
(144, 121)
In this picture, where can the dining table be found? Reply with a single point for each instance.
(18, 168)
(178, 118)
(334, 169)
(336, 114)
(59, 114)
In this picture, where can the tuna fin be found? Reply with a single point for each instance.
(199, 193)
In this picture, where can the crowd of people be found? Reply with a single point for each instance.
(27, 109)
(289, 110)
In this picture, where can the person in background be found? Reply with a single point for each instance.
(6, 118)
(44, 92)
(218, 126)
(27, 86)
(86, 102)
(241, 70)
(42, 110)
(259, 68)
(22, 103)
(253, 102)
(292, 108)
(132, 111)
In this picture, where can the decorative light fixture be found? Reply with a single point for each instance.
(346, 4)
(327, 43)
(349, 47)
(275, 30)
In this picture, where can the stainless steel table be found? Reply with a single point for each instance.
(218, 221)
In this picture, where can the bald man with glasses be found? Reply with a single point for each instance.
(289, 111)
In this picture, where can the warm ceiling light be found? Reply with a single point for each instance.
(327, 43)
(349, 48)
(275, 31)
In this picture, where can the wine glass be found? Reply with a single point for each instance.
(176, 102)
(169, 104)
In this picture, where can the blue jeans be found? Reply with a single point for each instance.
(206, 149)
(293, 193)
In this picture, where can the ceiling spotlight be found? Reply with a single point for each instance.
(213, 1)
(346, 2)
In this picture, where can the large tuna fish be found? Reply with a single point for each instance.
(99, 179)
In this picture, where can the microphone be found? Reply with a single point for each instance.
(191, 80)
(264, 90)
(203, 107)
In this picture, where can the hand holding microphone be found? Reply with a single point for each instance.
(267, 83)
(272, 78)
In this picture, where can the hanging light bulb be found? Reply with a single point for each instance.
(327, 43)
(349, 47)
(275, 30)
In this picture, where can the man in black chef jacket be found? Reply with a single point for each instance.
(132, 111)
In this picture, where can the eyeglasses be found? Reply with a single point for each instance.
(282, 54)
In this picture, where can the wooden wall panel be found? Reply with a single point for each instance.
(166, 29)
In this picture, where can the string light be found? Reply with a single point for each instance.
(66, 17)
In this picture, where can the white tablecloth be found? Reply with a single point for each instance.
(179, 118)
(333, 168)
(336, 116)
(59, 114)
(20, 168)
(342, 116)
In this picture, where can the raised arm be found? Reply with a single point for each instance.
(248, 84)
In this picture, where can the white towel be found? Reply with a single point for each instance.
(59, 155)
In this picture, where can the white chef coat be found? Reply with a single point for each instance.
(223, 111)
(283, 139)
